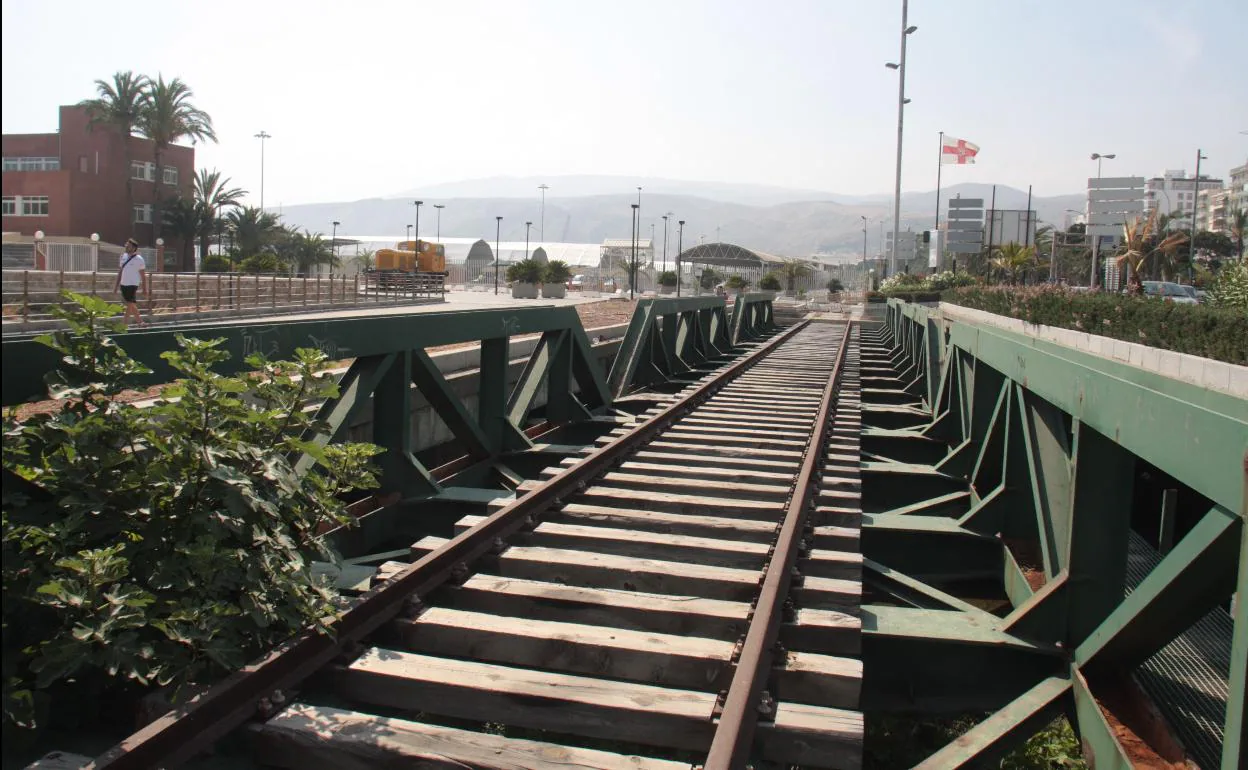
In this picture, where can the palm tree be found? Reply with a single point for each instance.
(1141, 240)
(119, 104)
(212, 195)
(1011, 258)
(254, 230)
(306, 250)
(793, 270)
(184, 217)
(364, 261)
(168, 117)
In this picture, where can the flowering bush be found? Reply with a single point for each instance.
(1219, 333)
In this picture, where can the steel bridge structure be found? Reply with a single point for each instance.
(943, 518)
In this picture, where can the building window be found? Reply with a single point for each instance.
(143, 213)
(33, 205)
(32, 164)
(83, 164)
(143, 170)
(169, 174)
(10, 206)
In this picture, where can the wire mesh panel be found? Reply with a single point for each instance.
(71, 257)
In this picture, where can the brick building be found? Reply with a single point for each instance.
(73, 182)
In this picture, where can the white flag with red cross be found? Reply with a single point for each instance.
(957, 151)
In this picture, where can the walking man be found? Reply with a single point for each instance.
(132, 275)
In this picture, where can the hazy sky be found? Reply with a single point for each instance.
(372, 97)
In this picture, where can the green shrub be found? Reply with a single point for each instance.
(216, 263)
(262, 263)
(1230, 288)
(525, 271)
(668, 278)
(769, 282)
(709, 279)
(167, 544)
(737, 283)
(1209, 331)
(556, 271)
(836, 285)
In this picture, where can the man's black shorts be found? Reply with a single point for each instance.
(128, 292)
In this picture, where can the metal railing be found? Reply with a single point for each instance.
(30, 295)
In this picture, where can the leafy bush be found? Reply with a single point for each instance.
(668, 278)
(264, 262)
(1230, 288)
(525, 271)
(216, 263)
(1213, 332)
(737, 283)
(556, 271)
(709, 279)
(168, 544)
(769, 282)
(836, 285)
(949, 280)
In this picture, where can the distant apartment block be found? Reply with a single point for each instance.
(72, 183)
(1175, 192)
(1213, 209)
(1239, 188)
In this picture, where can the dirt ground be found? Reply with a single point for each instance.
(593, 315)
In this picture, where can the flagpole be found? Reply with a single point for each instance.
(940, 159)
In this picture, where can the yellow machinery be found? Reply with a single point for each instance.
(413, 257)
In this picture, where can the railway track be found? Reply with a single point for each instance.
(686, 593)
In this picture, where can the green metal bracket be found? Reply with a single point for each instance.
(751, 316)
(667, 337)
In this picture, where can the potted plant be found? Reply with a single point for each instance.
(737, 284)
(667, 281)
(524, 277)
(769, 282)
(554, 279)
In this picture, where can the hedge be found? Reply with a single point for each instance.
(1199, 330)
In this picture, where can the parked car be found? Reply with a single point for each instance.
(1168, 291)
(1193, 292)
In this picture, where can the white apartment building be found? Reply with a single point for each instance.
(1239, 188)
(1212, 211)
(1175, 192)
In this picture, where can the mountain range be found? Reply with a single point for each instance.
(589, 209)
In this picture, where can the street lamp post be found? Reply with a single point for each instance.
(409, 233)
(864, 239)
(906, 31)
(665, 216)
(632, 268)
(541, 230)
(527, 226)
(1191, 243)
(439, 207)
(333, 245)
(498, 257)
(262, 136)
(1096, 239)
(418, 205)
(680, 242)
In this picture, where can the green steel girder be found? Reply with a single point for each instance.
(340, 338)
(667, 337)
(751, 316)
(1065, 428)
(931, 548)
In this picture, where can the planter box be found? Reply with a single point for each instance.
(667, 290)
(524, 291)
(554, 290)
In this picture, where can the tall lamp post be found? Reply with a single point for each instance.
(902, 101)
(632, 268)
(418, 204)
(262, 136)
(409, 233)
(333, 247)
(541, 230)
(1191, 243)
(439, 207)
(665, 216)
(680, 241)
(1096, 239)
(498, 257)
(864, 239)
(527, 226)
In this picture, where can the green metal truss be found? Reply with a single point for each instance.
(1025, 457)
(667, 338)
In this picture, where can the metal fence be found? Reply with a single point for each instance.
(30, 295)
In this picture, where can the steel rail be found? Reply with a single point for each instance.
(183, 732)
(734, 735)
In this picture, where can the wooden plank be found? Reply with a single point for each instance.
(707, 488)
(641, 544)
(635, 610)
(840, 565)
(690, 458)
(715, 439)
(813, 736)
(563, 703)
(304, 737)
(838, 538)
(830, 632)
(676, 503)
(575, 648)
(606, 571)
(829, 593)
(820, 680)
(740, 428)
(706, 450)
(746, 530)
(683, 470)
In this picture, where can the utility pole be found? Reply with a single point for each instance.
(262, 136)
(680, 242)
(418, 205)
(498, 257)
(906, 31)
(439, 207)
(632, 271)
(541, 230)
(1191, 244)
(665, 216)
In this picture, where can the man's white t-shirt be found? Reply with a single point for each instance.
(130, 270)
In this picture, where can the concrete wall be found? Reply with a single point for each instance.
(1205, 372)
